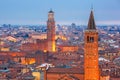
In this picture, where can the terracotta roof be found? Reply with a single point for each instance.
(114, 78)
(28, 76)
(65, 70)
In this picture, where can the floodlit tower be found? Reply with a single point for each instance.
(91, 67)
(51, 32)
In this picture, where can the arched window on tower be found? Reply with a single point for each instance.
(90, 39)
(87, 38)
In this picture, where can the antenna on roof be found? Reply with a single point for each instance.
(91, 6)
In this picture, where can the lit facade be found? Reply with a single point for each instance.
(91, 67)
(51, 32)
(68, 48)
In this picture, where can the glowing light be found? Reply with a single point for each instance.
(53, 47)
(45, 51)
(37, 75)
(28, 61)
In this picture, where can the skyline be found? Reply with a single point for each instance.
(66, 12)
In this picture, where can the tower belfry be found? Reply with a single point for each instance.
(51, 32)
(91, 67)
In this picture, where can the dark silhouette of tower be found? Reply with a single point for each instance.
(91, 67)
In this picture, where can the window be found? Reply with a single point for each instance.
(90, 39)
(87, 38)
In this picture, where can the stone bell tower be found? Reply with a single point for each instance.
(51, 32)
(91, 67)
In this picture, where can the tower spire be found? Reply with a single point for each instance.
(91, 6)
(91, 63)
(51, 11)
(91, 23)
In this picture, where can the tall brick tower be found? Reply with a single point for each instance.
(51, 32)
(91, 67)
